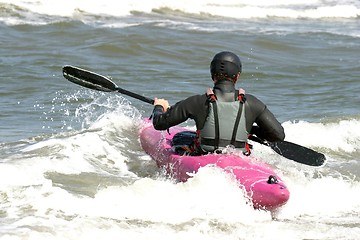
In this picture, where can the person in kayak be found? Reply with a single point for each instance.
(224, 116)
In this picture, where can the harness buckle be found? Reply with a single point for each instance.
(210, 95)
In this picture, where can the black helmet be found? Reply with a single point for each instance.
(225, 64)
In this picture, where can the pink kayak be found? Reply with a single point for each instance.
(263, 186)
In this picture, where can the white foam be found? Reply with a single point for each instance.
(343, 135)
(230, 8)
(211, 194)
(325, 197)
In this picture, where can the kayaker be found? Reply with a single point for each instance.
(223, 115)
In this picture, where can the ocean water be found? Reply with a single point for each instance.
(71, 163)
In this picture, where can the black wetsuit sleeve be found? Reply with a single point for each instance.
(194, 107)
(268, 127)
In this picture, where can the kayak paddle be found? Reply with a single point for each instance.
(98, 82)
(293, 151)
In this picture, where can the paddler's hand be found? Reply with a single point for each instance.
(161, 102)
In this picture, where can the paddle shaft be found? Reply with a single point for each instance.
(135, 95)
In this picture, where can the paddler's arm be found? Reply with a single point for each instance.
(164, 117)
(160, 108)
(268, 127)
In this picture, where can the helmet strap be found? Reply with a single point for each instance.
(229, 79)
(237, 78)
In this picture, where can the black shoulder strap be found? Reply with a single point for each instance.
(217, 132)
(236, 96)
(240, 96)
(236, 125)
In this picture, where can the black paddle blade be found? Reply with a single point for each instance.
(96, 81)
(298, 153)
(88, 79)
